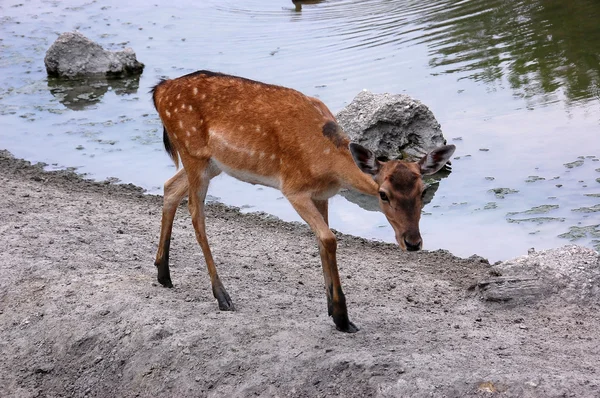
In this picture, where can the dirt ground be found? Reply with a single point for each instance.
(81, 313)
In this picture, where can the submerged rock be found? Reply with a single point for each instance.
(74, 55)
(502, 192)
(574, 164)
(394, 126)
(543, 209)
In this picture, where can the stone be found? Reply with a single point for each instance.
(570, 273)
(73, 55)
(394, 126)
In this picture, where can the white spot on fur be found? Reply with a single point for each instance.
(183, 106)
(202, 153)
(272, 157)
(194, 128)
(195, 90)
(181, 124)
(261, 155)
(168, 113)
(258, 129)
(190, 108)
(187, 144)
(326, 151)
(178, 96)
(203, 96)
(175, 110)
(188, 133)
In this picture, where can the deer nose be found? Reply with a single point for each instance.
(413, 246)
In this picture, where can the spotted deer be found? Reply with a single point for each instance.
(278, 137)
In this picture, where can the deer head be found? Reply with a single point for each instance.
(401, 189)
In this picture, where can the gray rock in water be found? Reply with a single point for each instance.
(393, 126)
(74, 55)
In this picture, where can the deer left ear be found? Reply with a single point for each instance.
(436, 159)
(365, 159)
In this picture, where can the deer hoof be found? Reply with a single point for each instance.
(165, 281)
(225, 303)
(343, 324)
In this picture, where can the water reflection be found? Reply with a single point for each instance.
(299, 3)
(542, 47)
(80, 94)
(543, 50)
(371, 203)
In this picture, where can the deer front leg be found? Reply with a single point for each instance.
(308, 210)
(322, 206)
(175, 190)
(197, 192)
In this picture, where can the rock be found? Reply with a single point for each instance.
(393, 126)
(571, 273)
(516, 289)
(74, 55)
(44, 368)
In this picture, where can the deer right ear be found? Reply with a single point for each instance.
(364, 159)
(436, 159)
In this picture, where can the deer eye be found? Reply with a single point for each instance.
(383, 196)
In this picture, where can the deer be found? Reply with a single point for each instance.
(278, 137)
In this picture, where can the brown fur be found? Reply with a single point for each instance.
(270, 135)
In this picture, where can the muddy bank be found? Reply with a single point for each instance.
(82, 315)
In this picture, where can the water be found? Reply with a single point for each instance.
(515, 85)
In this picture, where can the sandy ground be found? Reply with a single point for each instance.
(81, 313)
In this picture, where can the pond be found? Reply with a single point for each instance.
(515, 85)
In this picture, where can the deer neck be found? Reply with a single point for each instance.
(353, 178)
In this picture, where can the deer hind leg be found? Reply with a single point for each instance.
(197, 193)
(322, 206)
(309, 211)
(176, 188)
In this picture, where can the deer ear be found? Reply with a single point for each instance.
(436, 159)
(364, 159)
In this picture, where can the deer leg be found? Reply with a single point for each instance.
(197, 193)
(310, 213)
(176, 188)
(322, 206)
